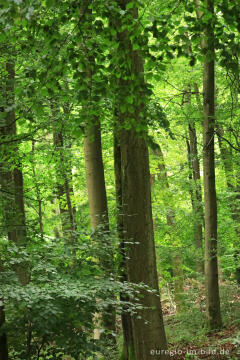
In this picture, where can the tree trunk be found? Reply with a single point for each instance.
(12, 180)
(196, 197)
(211, 261)
(97, 196)
(12, 186)
(95, 177)
(198, 210)
(147, 326)
(128, 345)
(138, 229)
(97, 199)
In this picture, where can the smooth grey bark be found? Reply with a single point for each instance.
(95, 177)
(97, 199)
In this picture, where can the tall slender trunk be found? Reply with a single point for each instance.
(97, 196)
(128, 345)
(12, 180)
(12, 186)
(197, 200)
(97, 199)
(95, 177)
(211, 260)
(148, 328)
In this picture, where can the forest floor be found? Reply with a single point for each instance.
(186, 331)
(223, 345)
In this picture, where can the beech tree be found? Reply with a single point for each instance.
(211, 260)
(147, 328)
(12, 188)
(87, 88)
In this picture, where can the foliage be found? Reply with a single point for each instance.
(68, 66)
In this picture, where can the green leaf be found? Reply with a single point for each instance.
(123, 108)
(130, 5)
(129, 99)
(136, 46)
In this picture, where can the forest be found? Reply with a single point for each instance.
(119, 179)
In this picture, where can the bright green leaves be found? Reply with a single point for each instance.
(156, 117)
(123, 108)
(130, 99)
(136, 46)
(130, 5)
